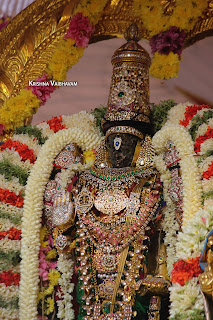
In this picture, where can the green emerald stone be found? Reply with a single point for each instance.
(113, 178)
(123, 175)
(121, 94)
(104, 177)
(118, 177)
(108, 178)
(127, 174)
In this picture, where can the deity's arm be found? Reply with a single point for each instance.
(63, 221)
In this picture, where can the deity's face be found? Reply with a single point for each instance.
(121, 149)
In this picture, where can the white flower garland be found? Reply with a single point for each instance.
(8, 292)
(29, 141)
(33, 206)
(192, 186)
(177, 113)
(203, 128)
(191, 240)
(6, 207)
(9, 245)
(8, 314)
(206, 146)
(65, 266)
(6, 224)
(197, 222)
(184, 298)
(12, 185)
(15, 159)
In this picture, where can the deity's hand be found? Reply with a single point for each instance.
(63, 217)
(153, 285)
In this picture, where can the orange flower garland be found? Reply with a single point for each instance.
(208, 135)
(12, 234)
(9, 278)
(190, 112)
(7, 196)
(56, 124)
(23, 150)
(185, 270)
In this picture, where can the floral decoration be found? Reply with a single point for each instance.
(67, 53)
(33, 210)
(55, 124)
(168, 41)
(12, 116)
(208, 173)
(190, 112)
(208, 135)
(80, 30)
(187, 245)
(167, 30)
(64, 295)
(9, 278)
(12, 234)
(155, 19)
(14, 171)
(49, 276)
(23, 150)
(42, 92)
(165, 66)
(9, 197)
(184, 270)
(89, 156)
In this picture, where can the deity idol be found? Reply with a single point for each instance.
(108, 215)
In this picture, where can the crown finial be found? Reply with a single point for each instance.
(132, 33)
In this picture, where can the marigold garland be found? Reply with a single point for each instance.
(184, 14)
(12, 116)
(165, 66)
(64, 57)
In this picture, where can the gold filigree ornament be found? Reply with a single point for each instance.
(106, 288)
(146, 155)
(133, 204)
(111, 202)
(84, 201)
(105, 262)
(101, 157)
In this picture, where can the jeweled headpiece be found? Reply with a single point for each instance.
(129, 91)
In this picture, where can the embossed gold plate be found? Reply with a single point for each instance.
(111, 201)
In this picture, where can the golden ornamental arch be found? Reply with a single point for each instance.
(30, 39)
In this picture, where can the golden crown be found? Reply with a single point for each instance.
(129, 91)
